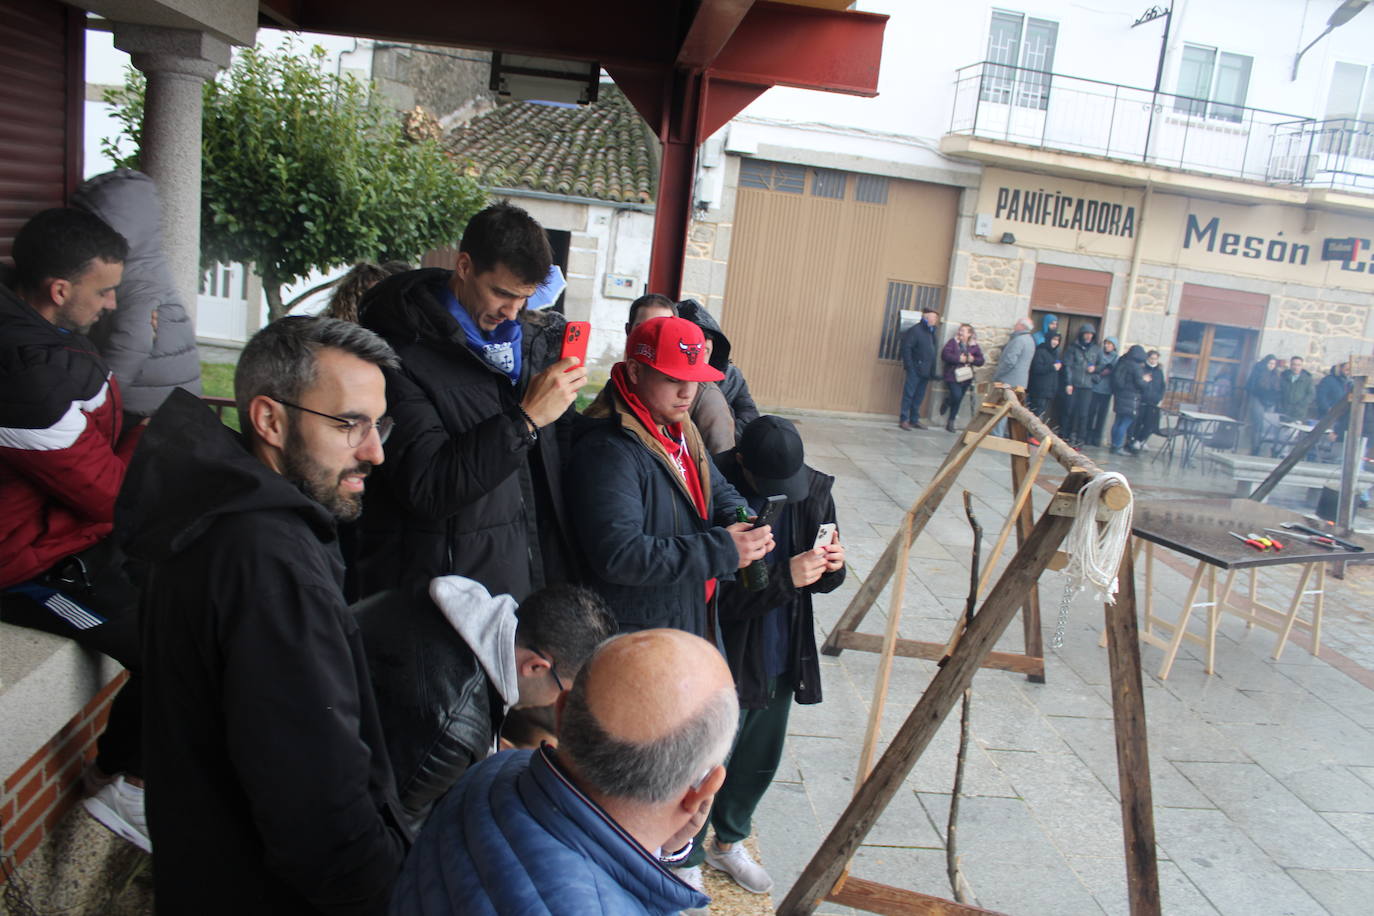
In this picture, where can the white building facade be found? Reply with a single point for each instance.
(1226, 216)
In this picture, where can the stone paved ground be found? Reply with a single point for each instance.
(1263, 774)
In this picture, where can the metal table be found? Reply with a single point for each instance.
(1198, 528)
(1196, 426)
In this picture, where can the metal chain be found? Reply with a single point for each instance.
(1070, 590)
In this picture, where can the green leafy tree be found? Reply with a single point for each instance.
(305, 169)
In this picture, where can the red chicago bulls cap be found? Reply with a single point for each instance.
(674, 346)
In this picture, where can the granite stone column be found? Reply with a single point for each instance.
(177, 63)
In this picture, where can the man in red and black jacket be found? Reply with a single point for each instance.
(64, 448)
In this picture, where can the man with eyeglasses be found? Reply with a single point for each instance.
(450, 663)
(268, 783)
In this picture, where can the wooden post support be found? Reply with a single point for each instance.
(948, 685)
(1132, 748)
(920, 513)
(1032, 638)
(1353, 457)
(1300, 449)
(894, 616)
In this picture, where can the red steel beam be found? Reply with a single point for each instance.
(782, 45)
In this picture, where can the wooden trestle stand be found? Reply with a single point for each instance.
(826, 877)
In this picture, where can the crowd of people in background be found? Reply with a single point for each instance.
(1095, 394)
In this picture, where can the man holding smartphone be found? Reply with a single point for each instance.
(481, 401)
(770, 634)
(655, 518)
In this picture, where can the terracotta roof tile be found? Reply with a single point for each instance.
(603, 150)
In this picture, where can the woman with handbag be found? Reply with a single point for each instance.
(961, 354)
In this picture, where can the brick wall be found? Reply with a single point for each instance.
(47, 785)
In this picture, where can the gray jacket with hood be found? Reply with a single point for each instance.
(148, 361)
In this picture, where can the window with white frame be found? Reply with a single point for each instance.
(1349, 128)
(1212, 84)
(1020, 58)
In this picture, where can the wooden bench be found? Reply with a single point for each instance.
(1248, 471)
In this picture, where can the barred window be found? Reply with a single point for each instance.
(772, 176)
(900, 297)
(828, 183)
(871, 189)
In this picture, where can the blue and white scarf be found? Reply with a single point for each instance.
(499, 349)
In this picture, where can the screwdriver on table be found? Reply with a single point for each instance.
(1265, 540)
(1320, 540)
(1245, 540)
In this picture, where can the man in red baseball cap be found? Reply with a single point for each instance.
(655, 519)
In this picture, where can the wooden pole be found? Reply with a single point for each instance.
(1300, 449)
(1023, 492)
(894, 615)
(1345, 515)
(948, 685)
(1021, 476)
(1132, 747)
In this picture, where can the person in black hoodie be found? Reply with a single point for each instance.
(1080, 372)
(733, 386)
(1153, 385)
(269, 788)
(483, 414)
(1128, 384)
(770, 634)
(1044, 376)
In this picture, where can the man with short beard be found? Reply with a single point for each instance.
(269, 786)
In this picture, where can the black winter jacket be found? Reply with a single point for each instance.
(440, 713)
(1078, 356)
(647, 551)
(920, 351)
(1044, 377)
(269, 789)
(463, 491)
(742, 611)
(1128, 382)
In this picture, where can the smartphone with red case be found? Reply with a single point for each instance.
(575, 337)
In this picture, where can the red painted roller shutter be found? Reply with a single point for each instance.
(1070, 290)
(42, 105)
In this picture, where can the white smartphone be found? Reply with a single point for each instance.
(823, 535)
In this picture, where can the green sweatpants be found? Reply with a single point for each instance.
(754, 760)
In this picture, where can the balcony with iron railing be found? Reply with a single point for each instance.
(1056, 112)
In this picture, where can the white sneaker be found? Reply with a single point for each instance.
(737, 863)
(692, 876)
(119, 806)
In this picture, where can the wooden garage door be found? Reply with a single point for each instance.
(41, 109)
(820, 261)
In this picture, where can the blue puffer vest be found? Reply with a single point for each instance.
(539, 847)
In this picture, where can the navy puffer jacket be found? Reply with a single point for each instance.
(515, 836)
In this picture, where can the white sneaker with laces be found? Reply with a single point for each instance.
(737, 863)
(693, 877)
(119, 806)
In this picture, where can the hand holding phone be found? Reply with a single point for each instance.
(824, 535)
(575, 338)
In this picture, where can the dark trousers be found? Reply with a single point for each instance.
(913, 393)
(1097, 417)
(753, 762)
(1073, 426)
(956, 397)
(120, 747)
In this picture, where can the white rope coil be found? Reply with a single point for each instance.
(1095, 554)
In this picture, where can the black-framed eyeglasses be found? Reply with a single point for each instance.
(357, 429)
(553, 669)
